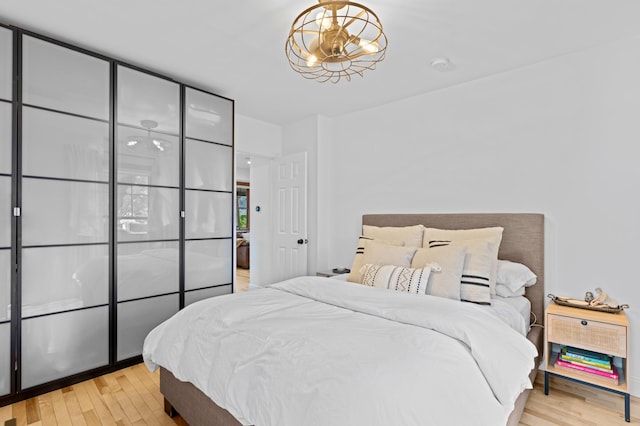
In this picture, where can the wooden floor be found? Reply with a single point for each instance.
(242, 279)
(132, 397)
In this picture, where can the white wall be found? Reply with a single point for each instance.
(559, 138)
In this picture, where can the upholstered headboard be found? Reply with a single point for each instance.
(522, 239)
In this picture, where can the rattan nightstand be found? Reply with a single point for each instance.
(600, 332)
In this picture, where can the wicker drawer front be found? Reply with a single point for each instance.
(610, 339)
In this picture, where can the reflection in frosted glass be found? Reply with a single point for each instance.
(56, 346)
(5, 137)
(208, 166)
(56, 279)
(136, 319)
(208, 214)
(60, 212)
(197, 295)
(148, 157)
(147, 269)
(143, 96)
(5, 211)
(61, 145)
(5, 285)
(6, 65)
(146, 213)
(63, 79)
(207, 263)
(5, 359)
(208, 117)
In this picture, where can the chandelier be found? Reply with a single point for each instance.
(335, 39)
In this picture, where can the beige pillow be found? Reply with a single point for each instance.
(446, 281)
(410, 236)
(374, 252)
(397, 278)
(435, 237)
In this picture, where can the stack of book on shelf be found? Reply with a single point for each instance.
(588, 364)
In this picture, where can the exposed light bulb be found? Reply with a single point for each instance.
(323, 20)
(369, 46)
(311, 60)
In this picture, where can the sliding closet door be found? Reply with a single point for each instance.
(148, 206)
(208, 195)
(6, 66)
(65, 212)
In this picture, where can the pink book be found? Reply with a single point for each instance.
(613, 375)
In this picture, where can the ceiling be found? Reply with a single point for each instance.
(236, 48)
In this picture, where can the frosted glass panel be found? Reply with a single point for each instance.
(5, 137)
(59, 212)
(147, 157)
(136, 319)
(147, 269)
(5, 285)
(56, 279)
(208, 117)
(208, 166)
(197, 295)
(5, 211)
(146, 213)
(6, 65)
(5, 359)
(143, 96)
(208, 214)
(63, 79)
(207, 263)
(60, 145)
(56, 346)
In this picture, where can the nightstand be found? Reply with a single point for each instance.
(600, 332)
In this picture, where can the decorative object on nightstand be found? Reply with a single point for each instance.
(589, 347)
(333, 272)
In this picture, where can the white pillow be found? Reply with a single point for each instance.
(514, 275)
(374, 252)
(504, 291)
(397, 278)
(476, 273)
(446, 281)
(410, 236)
(435, 237)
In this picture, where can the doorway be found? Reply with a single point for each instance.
(243, 222)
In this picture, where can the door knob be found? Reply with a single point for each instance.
(301, 241)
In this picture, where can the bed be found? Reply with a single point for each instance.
(181, 384)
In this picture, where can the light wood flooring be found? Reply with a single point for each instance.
(242, 279)
(132, 397)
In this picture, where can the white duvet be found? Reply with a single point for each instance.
(313, 351)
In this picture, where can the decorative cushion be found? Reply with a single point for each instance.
(514, 275)
(397, 278)
(436, 237)
(410, 236)
(374, 252)
(446, 281)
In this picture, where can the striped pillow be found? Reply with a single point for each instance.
(397, 278)
(476, 272)
(434, 236)
(379, 253)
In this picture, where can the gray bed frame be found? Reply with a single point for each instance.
(522, 241)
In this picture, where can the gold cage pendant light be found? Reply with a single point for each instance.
(335, 39)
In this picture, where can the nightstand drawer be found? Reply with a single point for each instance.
(610, 339)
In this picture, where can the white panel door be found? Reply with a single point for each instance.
(291, 216)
